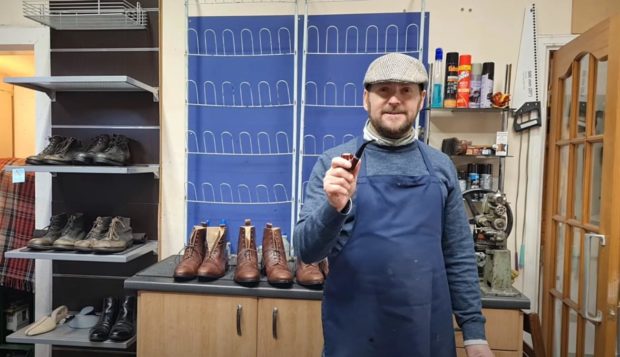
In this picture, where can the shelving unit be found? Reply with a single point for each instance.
(63, 335)
(52, 84)
(136, 251)
(96, 90)
(54, 169)
(86, 14)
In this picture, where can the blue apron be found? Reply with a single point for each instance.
(387, 291)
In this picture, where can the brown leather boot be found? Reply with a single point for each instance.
(274, 257)
(308, 274)
(215, 263)
(193, 256)
(247, 258)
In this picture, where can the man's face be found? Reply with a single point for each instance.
(392, 107)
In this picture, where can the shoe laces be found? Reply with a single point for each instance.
(100, 139)
(116, 141)
(66, 145)
(98, 225)
(54, 142)
(70, 224)
(189, 249)
(114, 228)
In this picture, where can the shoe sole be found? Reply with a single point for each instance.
(89, 250)
(184, 278)
(109, 250)
(63, 247)
(40, 247)
(109, 162)
(57, 162)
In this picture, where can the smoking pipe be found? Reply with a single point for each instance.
(354, 159)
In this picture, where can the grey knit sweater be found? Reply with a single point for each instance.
(322, 231)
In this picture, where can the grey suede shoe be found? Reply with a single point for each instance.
(119, 237)
(98, 232)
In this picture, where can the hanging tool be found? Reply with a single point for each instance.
(525, 98)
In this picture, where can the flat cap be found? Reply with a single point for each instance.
(396, 67)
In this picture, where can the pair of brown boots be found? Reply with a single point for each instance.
(274, 256)
(205, 257)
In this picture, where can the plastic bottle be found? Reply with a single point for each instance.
(452, 77)
(476, 78)
(486, 85)
(462, 91)
(437, 100)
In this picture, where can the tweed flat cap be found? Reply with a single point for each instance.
(396, 67)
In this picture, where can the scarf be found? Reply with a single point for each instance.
(370, 133)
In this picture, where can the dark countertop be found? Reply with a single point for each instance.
(158, 277)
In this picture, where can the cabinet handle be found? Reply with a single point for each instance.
(239, 309)
(274, 323)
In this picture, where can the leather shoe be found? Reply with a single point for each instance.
(308, 274)
(101, 330)
(215, 261)
(193, 256)
(274, 257)
(124, 328)
(247, 271)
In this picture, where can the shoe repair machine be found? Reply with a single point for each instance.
(491, 218)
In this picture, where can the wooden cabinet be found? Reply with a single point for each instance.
(286, 327)
(504, 331)
(176, 324)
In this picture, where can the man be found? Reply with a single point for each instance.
(395, 231)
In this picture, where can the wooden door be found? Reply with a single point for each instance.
(581, 242)
(174, 324)
(289, 327)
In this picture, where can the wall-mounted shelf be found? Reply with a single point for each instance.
(86, 14)
(467, 110)
(136, 251)
(136, 169)
(51, 85)
(63, 335)
(480, 156)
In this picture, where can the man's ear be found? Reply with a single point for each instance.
(422, 97)
(365, 99)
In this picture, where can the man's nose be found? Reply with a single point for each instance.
(394, 100)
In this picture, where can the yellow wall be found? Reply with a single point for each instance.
(23, 111)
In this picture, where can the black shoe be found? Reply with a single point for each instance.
(65, 153)
(101, 330)
(54, 231)
(51, 148)
(97, 145)
(117, 153)
(124, 328)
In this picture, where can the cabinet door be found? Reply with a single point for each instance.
(504, 330)
(173, 324)
(289, 327)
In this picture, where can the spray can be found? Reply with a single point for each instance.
(452, 78)
(486, 84)
(462, 91)
(486, 181)
(437, 100)
(474, 93)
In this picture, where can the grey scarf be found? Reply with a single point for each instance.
(370, 133)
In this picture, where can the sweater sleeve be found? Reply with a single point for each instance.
(319, 225)
(460, 261)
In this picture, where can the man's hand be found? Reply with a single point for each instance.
(478, 351)
(339, 184)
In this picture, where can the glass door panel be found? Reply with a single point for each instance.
(575, 258)
(559, 262)
(563, 184)
(566, 105)
(600, 97)
(578, 183)
(584, 69)
(595, 184)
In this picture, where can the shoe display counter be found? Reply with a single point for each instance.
(223, 318)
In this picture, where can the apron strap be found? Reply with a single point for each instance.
(423, 151)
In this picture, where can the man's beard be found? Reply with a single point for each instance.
(388, 132)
